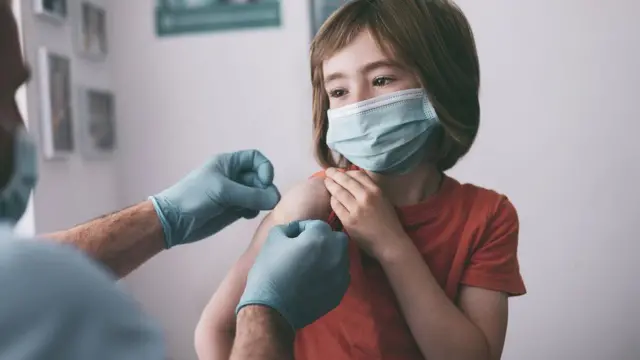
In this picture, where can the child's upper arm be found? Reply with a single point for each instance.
(307, 200)
(492, 275)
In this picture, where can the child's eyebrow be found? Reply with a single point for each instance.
(384, 63)
(379, 64)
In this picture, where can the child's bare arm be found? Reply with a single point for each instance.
(215, 331)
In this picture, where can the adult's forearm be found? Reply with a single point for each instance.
(122, 241)
(441, 330)
(262, 334)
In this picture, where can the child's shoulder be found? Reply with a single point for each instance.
(481, 199)
(307, 199)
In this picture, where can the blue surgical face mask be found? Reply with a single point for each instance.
(14, 197)
(386, 134)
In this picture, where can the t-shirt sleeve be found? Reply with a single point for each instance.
(321, 174)
(494, 264)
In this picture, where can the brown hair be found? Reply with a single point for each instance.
(430, 37)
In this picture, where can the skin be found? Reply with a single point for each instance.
(124, 240)
(473, 328)
(262, 334)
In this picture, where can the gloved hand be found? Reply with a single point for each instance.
(226, 188)
(302, 272)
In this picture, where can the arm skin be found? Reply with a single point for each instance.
(217, 326)
(122, 241)
(474, 331)
(262, 334)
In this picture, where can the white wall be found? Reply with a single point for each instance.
(70, 184)
(558, 136)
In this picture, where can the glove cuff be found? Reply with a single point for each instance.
(166, 227)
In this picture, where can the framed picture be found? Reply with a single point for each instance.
(92, 32)
(321, 10)
(97, 122)
(178, 17)
(51, 9)
(54, 71)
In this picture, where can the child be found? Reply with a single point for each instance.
(433, 261)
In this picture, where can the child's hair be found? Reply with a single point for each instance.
(433, 39)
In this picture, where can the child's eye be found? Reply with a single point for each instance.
(382, 81)
(337, 93)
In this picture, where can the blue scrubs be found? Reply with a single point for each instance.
(57, 303)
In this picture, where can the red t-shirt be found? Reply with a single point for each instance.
(467, 235)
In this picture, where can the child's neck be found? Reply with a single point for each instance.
(411, 188)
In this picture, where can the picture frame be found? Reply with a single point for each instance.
(56, 110)
(91, 33)
(53, 10)
(180, 17)
(97, 125)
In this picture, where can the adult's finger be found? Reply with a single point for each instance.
(253, 161)
(314, 225)
(252, 198)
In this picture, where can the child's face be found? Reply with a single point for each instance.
(362, 71)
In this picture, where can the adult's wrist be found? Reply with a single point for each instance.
(149, 210)
(267, 318)
(262, 334)
(164, 224)
(266, 298)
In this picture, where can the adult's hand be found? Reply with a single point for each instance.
(302, 272)
(226, 188)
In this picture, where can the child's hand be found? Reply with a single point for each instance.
(366, 214)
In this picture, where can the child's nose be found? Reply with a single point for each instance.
(361, 92)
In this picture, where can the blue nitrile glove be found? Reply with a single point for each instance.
(302, 272)
(226, 188)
